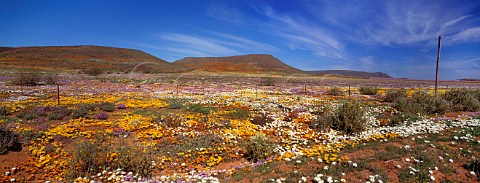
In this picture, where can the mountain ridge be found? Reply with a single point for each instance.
(85, 57)
(351, 73)
(250, 63)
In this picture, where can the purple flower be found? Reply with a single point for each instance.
(102, 116)
(121, 106)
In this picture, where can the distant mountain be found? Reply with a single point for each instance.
(350, 73)
(109, 59)
(253, 63)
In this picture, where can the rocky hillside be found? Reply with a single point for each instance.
(253, 63)
(109, 59)
(360, 74)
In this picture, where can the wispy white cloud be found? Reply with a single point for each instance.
(195, 44)
(397, 23)
(468, 35)
(222, 11)
(211, 44)
(300, 33)
(245, 43)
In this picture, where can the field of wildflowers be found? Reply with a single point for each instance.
(223, 128)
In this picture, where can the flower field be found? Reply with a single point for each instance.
(228, 128)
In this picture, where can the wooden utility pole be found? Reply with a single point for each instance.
(436, 71)
(58, 94)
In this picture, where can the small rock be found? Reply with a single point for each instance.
(432, 177)
(407, 159)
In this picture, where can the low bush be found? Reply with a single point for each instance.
(239, 113)
(335, 91)
(349, 117)
(169, 120)
(93, 72)
(86, 158)
(368, 90)
(393, 95)
(59, 113)
(473, 166)
(400, 118)
(81, 112)
(4, 111)
(422, 103)
(107, 106)
(181, 144)
(261, 119)
(176, 104)
(259, 147)
(26, 115)
(50, 79)
(268, 81)
(198, 109)
(90, 107)
(27, 79)
(463, 99)
(9, 141)
(321, 124)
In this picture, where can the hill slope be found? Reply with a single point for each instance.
(85, 57)
(351, 73)
(253, 63)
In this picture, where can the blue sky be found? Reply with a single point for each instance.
(396, 37)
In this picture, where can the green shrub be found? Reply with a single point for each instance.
(349, 117)
(261, 119)
(93, 72)
(422, 103)
(26, 115)
(59, 113)
(169, 120)
(198, 109)
(239, 113)
(335, 91)
(463, 100)
(27, 79)
(90, 107)
(368, 90)
(393, 95)
(4, 111)
(473, 166)
(176, 104)
(87, 158)
(259, 147)
(9, 141)
(320, 124)
(404, 117)
(107, 106)
(50, 79)
(134, 160)
(268, 81)
(172, 147)
(81, 112)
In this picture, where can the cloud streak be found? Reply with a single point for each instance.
(214, 44)
(398, 23)
(299, 33)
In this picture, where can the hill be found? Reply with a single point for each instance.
(252, 63)
(108, 59)
(360, 74)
